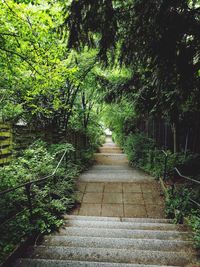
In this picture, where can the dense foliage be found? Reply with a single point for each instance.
(41, 81)
(50, 198)
(47, 88)
(143, 152)
(182, 210)
(158, 41)
(51, 55)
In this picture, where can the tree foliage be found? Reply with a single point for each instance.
(159, 40)
(41, 82)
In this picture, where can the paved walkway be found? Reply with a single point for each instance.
(112, 188)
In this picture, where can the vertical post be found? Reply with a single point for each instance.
(165, 169)
(30, 207)
(165, 135)
(186, 144)
(174, 137)
(153, 129)
(75, 146)
(66, 159)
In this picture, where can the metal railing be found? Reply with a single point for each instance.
(191, 180)
(28, 185)
(165, 165)
(186, 178)
(181, 175)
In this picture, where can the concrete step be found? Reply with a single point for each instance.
(116, 219)
(112, 155)
(117, 243)
(111, 167)
(111, 255)
(109, 144)
(114, 177)
(110, 159)
(123, 225)
(113, 172)
(68, 263)
(107, 149)
(123, 233)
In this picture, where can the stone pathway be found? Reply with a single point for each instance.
(112, 188)
(117, 234)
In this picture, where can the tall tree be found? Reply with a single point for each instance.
(159, 40)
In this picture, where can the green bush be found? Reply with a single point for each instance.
(137, 147)
(50, 199)
(179, 207)
(143, 153)
(193, 221)
(177, 204)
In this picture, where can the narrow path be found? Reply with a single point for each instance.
(112, 188)
(104, 236)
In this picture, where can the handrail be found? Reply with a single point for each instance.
(165, 165)
(164, 152)
(27, 186)
(35, 181)
(189, 179)
(185, 177)
(195, 202)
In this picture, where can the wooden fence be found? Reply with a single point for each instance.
(6, 143)
(188, 137)
(20, 137)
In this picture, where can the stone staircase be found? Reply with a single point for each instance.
(110, 154)
(94, 241)
(112, 241)
(111, 165)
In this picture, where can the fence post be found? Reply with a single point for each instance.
(30, 207)
(165, 169)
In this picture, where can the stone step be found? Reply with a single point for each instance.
(123, 225)
(123, 233)
(113, 172)
(130, 174)
(112, 155)
(116, 219)
(111, 255)
(110, 147)
(109, 144)
(114, 177)
(112, 168)
(68, 263)
(125, 243)
(106, 149)
(110, 159)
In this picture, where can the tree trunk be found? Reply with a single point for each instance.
(174, 130)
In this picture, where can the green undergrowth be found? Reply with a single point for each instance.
(50, 198)
(143, 153)
(182, 210)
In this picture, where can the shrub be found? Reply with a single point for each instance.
(50, 199)
(180, 208)
(177, 203)
(193, 221)
(137, 147)
(143, 153)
